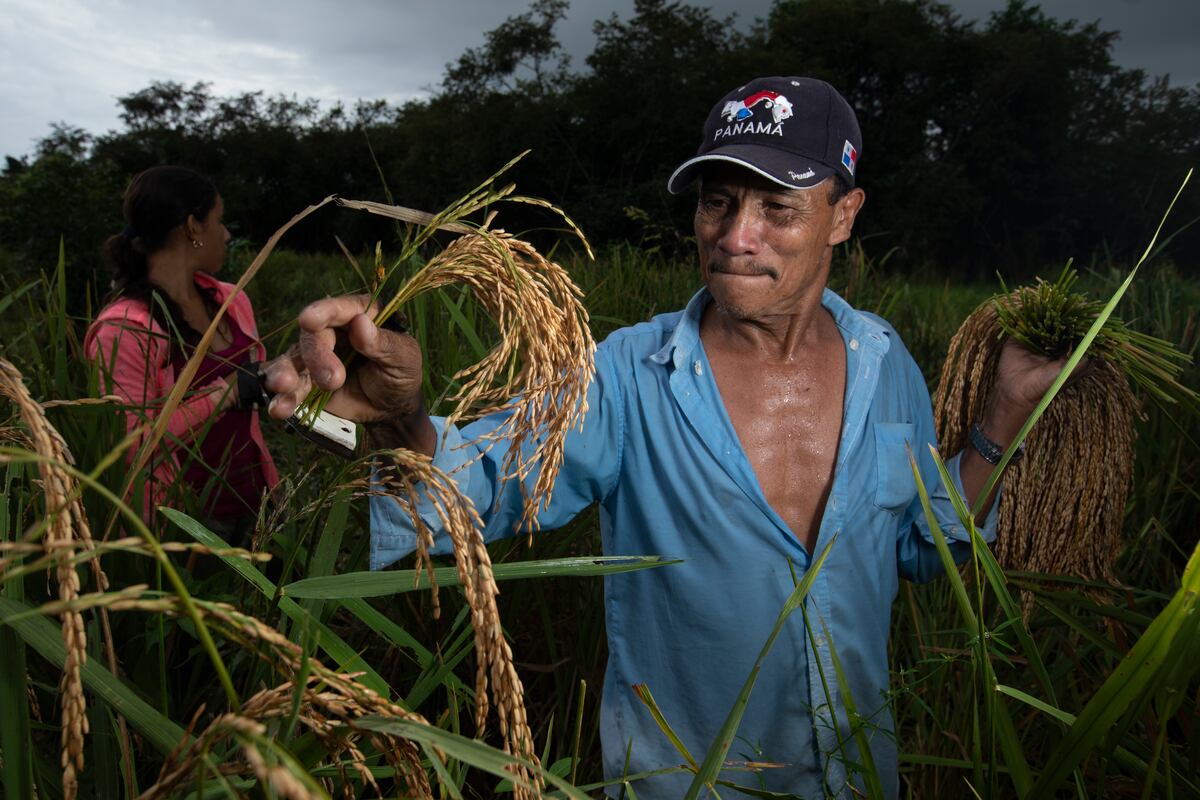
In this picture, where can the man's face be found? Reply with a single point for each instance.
(763, 247)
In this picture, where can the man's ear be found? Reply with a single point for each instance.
(844, 214)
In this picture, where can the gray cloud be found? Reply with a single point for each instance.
(68, 60)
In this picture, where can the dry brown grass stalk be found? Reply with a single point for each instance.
(1061, 506)
(103, 399)
(12, 566)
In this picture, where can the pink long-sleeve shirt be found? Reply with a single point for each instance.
(133, 355)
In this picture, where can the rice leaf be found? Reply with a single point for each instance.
(15, 295)
(714, 759)
(1010, 744)
(469, 751)
(855, 723)
(1157, 652)
(16, 455)
(441, 672)
(1123, 756)
(643, 693)
(377, 584)
(996, 579)
(1030, 700)
(388, 629)
(324, 556)
(15, 741)
(454, 308)
(45, 637)
(343, 655)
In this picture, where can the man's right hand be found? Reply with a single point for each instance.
(383, 386)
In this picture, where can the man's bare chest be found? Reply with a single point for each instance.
(788, 420)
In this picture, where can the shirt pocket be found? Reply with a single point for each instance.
(895, 486)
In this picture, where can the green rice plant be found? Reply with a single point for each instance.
(1050, 319)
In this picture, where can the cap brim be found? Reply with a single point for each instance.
(786, 169)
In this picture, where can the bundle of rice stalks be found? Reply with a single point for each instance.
(539, 370)
(1063, 504)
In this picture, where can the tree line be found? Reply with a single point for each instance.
(1010, 144)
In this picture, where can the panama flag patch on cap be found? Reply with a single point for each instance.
(849, 157)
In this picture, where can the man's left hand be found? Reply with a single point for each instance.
(1022, 379)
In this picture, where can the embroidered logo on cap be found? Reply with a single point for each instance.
(849, 157)
(741, 112)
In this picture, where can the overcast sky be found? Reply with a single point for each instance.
(68, 60)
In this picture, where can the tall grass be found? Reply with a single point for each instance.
(1079, 643)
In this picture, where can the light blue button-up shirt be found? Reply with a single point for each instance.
(658, 453)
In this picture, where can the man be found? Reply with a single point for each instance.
(764, 423)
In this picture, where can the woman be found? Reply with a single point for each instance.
(164, 297)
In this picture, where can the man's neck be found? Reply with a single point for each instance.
(776, 338)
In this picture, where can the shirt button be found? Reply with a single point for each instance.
(854, 344)
(697, 368)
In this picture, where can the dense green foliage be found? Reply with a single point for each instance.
(1008, 143)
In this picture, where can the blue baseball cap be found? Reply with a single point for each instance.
(795, 131)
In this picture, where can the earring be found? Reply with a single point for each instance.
(197, 243)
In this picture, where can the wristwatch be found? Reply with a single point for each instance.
(991, 452)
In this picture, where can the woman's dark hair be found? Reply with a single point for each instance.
(157, 201)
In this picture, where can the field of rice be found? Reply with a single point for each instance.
(161, 661)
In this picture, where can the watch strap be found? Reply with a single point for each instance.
(991, 451)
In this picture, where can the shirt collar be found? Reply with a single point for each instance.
(857, 328)
(686, 336)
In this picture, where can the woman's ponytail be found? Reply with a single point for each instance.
(130, 267)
